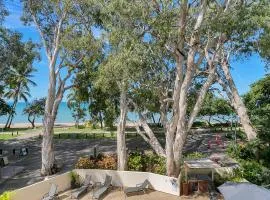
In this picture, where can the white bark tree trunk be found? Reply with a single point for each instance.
(121, 136)
(238, 104)
(152, 139)
(48, 159)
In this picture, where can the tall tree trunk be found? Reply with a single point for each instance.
(170, 164)
(239, 105)
(181, 132)
(32, 122)
(152, 140)
(48, 159)
(153, 118)
(121, 136)
(100, 120)
(11, 114)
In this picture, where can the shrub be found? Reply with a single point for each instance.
(195, 155)
(136, 162)
(150, 163)
(234, 177)
(254, 172)
(85, 163)
(198, 124)
(107, 162)
(74, 180)
(6, 196)
(158, 164)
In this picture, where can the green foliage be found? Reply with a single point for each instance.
(242, 151)
(35, 109)
(231, 177)
(75, 105)
(254, 172)
(4, 108)
(136, 161)
(150, 163)
(195, 155)
(257, 100)
(74, 180)
(6, 195)
(239, 135)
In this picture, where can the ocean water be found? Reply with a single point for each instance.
(64, 115)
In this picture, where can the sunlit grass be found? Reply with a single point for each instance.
(4, 136)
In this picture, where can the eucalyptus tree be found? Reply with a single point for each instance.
(34, 109)
(189, 32)
(67, 39)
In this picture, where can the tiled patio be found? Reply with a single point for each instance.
(117, 194)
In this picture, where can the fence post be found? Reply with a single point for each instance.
(17, 133)
(12, 133)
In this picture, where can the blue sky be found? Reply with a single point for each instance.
(244, 72)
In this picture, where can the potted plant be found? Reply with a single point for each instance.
(184, 186)
(74, 180)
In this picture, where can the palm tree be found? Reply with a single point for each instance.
(35, 109)
(19, 82)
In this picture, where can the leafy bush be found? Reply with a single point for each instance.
(197, 124)
(136, 162)
(74, 180)
(6, 196)
(107, 162)
(239, 135)
(254, 172)
(157, 164)
(194, 155)
(234, 177)
(242, 151)
(84, 163)
(150, 163)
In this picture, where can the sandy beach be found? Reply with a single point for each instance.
(28, 125)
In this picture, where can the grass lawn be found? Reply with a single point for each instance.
(4, 136)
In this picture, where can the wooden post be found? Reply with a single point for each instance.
(12, 133)
(17, 133)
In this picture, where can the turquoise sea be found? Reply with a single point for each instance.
(64, 115)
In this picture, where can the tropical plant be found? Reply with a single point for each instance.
(74, 180)
(19, 82)
(35, 109)
(4, 108)
(6, 195)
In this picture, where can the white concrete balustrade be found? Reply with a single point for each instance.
(119, 178)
